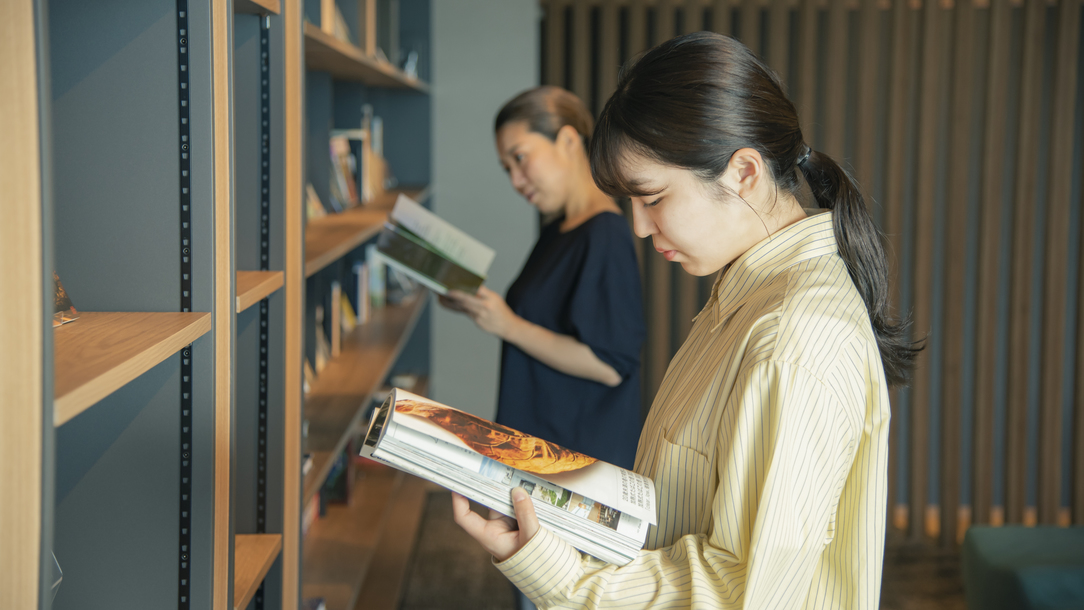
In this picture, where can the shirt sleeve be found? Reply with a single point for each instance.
(784, 452)
(605, 311)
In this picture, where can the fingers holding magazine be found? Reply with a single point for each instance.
(501, 536)
(487, 308)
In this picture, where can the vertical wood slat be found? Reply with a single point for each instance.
(955, 262)
(835, 97)
(694, 17)
(1023, 226)
(581, 51)
(923, 258)
(293, 291)
(720, 17)
(688, 286)
(778, 53)
(899, 88)
(22, 336)
(1059, 189)
(1077, 497)
(223, 312)
(806, 99)
(609, 48)
(555, 43)
(997, 83)
(664, 21)
(869, 60)
(750, 25)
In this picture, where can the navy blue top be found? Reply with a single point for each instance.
(583, 283)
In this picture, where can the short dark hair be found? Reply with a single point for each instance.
(546, 110)
(695, 100)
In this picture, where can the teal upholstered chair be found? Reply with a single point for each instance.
(1024, 568)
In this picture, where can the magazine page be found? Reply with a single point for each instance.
(412, 255)
(453, 244)
(554, 467)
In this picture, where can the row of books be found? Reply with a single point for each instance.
(359, 173)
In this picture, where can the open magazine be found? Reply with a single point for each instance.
(432, 251)
(599, 508)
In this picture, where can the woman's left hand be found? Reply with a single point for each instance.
(501, 536)
(487, 309)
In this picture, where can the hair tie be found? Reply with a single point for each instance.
(805, 155)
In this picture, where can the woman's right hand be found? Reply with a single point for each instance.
(451, 304)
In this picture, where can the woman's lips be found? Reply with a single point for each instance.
(668, 254)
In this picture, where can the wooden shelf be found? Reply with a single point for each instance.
(365, 546)
(253, 555)
(330, 238)
(254, 286)
(101, 352)
(256, 7)
(337, 400)
(325, 53)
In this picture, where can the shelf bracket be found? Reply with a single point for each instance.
(184, 588)
(265, 255)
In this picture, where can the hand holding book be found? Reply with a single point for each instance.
(487, 308)
(501, 536)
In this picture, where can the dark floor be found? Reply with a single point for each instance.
(450, 572)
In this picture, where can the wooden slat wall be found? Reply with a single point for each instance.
(948, 192)
(955, 282)
(1059, 190)
(990, 205)
(1022, 249)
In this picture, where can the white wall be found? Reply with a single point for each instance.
(483, 53)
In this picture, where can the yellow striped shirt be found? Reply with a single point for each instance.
(768, 445)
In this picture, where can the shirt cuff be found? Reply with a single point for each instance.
(544, 569)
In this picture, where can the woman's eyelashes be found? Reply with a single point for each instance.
(653, 203)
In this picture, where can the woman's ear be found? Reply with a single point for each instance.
(569, 139)
(745, 173)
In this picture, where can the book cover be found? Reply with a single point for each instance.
(63, 310)
(433, 251)
(599, 508)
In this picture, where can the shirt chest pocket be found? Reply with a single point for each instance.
(685, 485)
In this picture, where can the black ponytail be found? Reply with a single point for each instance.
(861, 247)
(693, 101)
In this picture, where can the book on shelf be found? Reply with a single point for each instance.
(432, 250)
(361, 270)
(348, 319)
(378, 286)
(599, 508)
(314, 208)
(344, 189)
(335, 305)
(323, 347)
(63, 310)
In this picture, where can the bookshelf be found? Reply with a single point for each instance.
(255, 286)
(330, 238)
(339, 398)
(253, 555)
(344, 61)
(105, 351)
(157, 164)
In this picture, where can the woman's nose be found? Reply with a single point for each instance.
(642, 225)
(519, 181)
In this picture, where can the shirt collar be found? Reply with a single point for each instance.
(806, 239)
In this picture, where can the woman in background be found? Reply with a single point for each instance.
(572, 325)
(768, 439)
